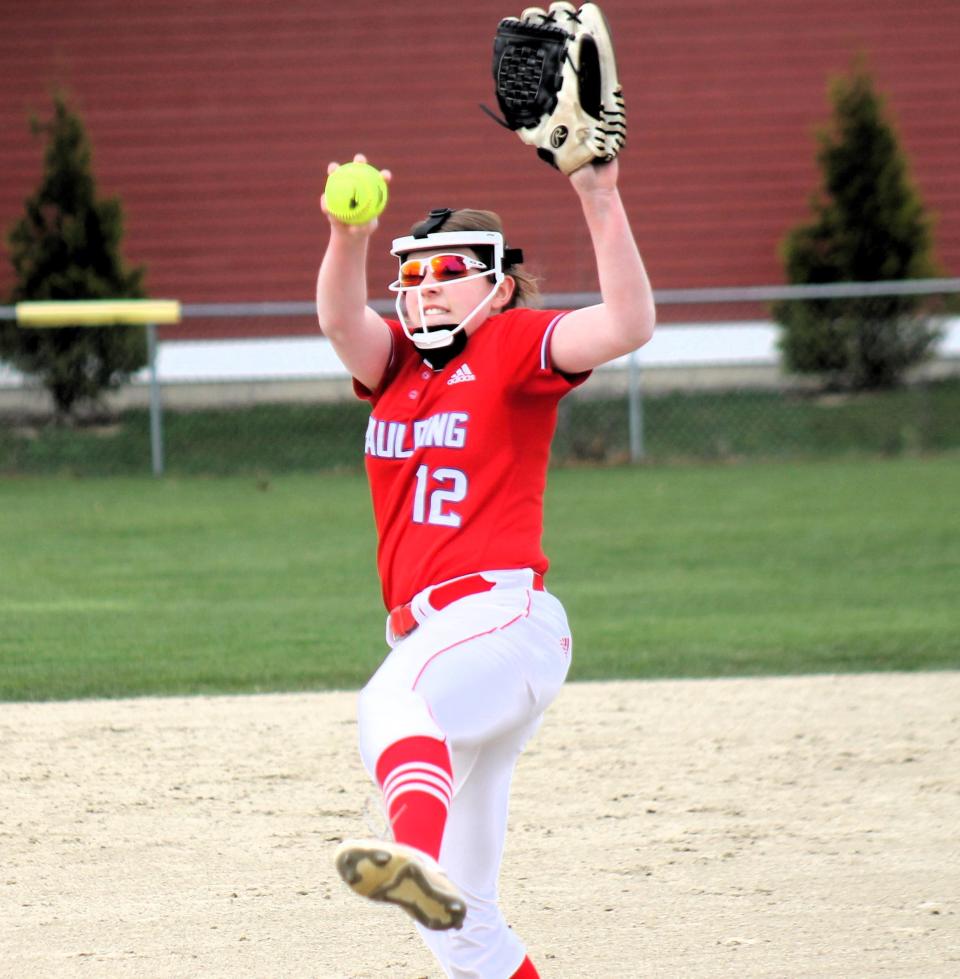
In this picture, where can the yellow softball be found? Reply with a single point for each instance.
(355, 193)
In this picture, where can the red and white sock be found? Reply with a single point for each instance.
(416, 778)
(526, 971)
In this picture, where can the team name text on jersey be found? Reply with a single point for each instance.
(391, 440)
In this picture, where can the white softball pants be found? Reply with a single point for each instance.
(478, 674)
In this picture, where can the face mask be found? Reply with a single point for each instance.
(450, 267)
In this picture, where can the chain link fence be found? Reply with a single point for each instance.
(712, 385)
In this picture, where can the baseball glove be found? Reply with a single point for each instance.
(555, 79)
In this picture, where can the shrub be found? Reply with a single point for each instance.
(869, 224)
(67, 246)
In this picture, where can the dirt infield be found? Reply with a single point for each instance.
(786, 827)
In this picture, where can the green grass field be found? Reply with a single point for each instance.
(131, 586)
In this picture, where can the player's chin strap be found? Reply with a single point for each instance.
(442, 343)
(437, 358)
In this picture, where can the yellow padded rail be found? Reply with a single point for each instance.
(98, 312)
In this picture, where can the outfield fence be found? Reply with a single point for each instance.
(711, 385)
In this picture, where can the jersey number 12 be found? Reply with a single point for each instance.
(434, 492)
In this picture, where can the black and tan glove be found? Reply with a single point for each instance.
(555, 78)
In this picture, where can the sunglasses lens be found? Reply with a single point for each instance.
(412, 272)
(446, 267)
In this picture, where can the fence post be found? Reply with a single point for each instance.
(111, 312)
(156, 411)
(635, 408)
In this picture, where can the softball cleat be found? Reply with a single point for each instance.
(397, 874)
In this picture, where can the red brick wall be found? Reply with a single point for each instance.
(214, 120)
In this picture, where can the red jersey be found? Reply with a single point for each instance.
(457, 458)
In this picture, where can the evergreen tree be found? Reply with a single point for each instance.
(67, 246)
(869, 224)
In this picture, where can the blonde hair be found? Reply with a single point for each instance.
(527, 292)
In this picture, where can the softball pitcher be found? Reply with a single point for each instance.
(464, 386)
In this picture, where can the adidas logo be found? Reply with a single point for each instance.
(461, 374)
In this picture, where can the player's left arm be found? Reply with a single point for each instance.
(625, 319)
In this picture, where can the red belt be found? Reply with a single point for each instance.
(402, 622)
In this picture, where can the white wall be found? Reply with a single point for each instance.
(197, 361)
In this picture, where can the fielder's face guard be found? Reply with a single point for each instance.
(489, 241)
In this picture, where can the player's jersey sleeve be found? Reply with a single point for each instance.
(524, 339)
(398, 349)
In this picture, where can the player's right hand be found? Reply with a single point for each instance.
(339, 227)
